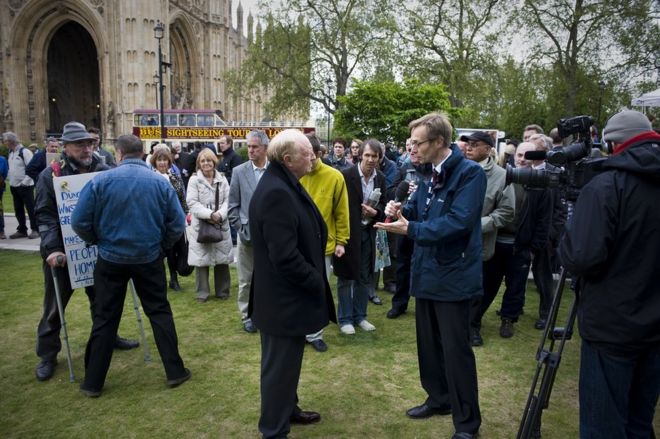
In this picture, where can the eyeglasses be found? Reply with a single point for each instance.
(473, 144)
(417, 144)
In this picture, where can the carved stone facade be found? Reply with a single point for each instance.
(95, 61)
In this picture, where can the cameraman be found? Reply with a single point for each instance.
(612, 244)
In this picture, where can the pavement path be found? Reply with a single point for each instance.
(24, 244)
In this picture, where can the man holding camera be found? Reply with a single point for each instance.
(611, 244)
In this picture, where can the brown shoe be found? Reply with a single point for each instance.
(2, 235)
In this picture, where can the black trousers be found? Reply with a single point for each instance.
(111, 280)
(404, 258)
(513, 268)
(24, 200)
(542, 272)
(447, 367)
(48, 331)
(281, 361)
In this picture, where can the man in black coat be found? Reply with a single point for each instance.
(290, 295)
(355, 270)
(611, 244)
(229, 157)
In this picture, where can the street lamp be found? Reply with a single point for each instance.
(159, 33)
(328, 83)
(156, 82)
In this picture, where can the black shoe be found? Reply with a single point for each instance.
(45, 369)
(303, 417)
(395, 312)
(506, 328)
(539, 324)
(319, 345)
(90, 393)
(464, 435)
(222, 296)
(124, 344)
(248, 326)
(33, 234)
(174, 285)
(376, 300)
(18, 235)
(424, 411)
(178, 381)
(475, 338)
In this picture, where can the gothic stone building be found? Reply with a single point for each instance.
(95, 61)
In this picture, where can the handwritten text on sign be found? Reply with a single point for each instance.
(80, 258)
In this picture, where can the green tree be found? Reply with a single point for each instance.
(451, 42)
(584, 35)
(383, 109)
(310, 50)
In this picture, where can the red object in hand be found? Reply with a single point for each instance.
(188, 219)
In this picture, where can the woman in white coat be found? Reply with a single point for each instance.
(201, 203)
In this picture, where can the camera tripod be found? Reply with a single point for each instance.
(548, 360)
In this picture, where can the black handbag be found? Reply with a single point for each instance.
(210, 233)
(181, 256)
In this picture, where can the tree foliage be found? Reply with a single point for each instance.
(383, 109)
(310, 50)
(585, 36)
(451, 41)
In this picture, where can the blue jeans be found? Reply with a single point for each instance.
(353, 295)
(618, 395)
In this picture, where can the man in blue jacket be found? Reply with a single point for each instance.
(444, 220)
(132, 214)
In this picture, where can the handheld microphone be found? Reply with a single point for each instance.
(400, 194)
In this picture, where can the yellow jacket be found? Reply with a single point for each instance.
(327, 188)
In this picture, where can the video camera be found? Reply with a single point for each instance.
(573, 166)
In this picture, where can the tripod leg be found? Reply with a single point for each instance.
(136, 308)
(60, 310)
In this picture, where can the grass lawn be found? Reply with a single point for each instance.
(361, 386)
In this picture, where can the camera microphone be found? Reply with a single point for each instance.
(400, 194)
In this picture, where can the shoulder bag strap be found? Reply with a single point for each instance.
(217, 196)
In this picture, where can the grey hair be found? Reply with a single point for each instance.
(10, 137)
(259, 134)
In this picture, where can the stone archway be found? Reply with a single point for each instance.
(73, 78)
(182, 56)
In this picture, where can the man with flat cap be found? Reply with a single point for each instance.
(77, 158)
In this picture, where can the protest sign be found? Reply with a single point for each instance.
(80, 257)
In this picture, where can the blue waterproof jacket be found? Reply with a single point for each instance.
(130, 212)
(446, 263)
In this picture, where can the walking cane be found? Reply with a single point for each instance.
(60, 309)
(136, 307)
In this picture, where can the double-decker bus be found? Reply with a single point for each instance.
(201, 125)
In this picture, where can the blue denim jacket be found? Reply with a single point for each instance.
(130, 212)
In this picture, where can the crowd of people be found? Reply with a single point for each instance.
(454, 229)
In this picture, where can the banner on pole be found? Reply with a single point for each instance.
(80, 257)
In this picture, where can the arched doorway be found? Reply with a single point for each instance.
(73, 78)
(182, 92)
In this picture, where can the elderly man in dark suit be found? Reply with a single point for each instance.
(290, 295)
